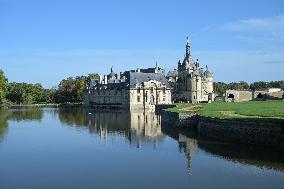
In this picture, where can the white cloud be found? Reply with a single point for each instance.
(260, 24)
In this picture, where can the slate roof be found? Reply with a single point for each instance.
(208, 74)
(173, 73)
(138, 77)
(113, 85)
(133, 78)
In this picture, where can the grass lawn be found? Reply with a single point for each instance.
(258, 109)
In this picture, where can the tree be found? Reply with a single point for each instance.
(220, 87)
(242, 85)
(3, 85)
(72, 89)
(48, 96)
(92, 76)
(25, 93)
(259, 85)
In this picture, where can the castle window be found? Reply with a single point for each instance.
(164, 90)
(152, 90)
(146, 96)
(138, 90)
(138, 98)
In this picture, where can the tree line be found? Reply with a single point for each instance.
(69, 90)
(221, 87)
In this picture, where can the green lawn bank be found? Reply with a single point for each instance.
(253, 109)
(251, 123)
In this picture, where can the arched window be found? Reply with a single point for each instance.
(231, 96)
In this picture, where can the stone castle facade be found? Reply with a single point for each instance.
(190, 82)
(134, 89)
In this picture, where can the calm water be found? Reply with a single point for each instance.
(77, 148)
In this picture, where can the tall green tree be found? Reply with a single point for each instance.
(3, 85)
(25, 93)
(220, 87)
(72, 89)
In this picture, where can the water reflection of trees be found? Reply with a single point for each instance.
(73, 116)
(28, 114)
(247, 155)
(3, 124)
(138, 127)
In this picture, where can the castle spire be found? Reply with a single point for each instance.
(187, 48)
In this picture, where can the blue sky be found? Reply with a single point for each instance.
(46, 40)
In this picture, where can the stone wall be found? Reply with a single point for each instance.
(160, 107)
(238, 96)
(260, 132)
(179, 119)
(263, 132)
(275, 95)
(241, 96)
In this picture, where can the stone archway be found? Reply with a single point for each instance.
(259, 96)
(231, 96)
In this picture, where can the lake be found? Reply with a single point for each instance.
(46, 148)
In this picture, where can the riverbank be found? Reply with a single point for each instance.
(254, 123)
(273, 109)
(45, 105)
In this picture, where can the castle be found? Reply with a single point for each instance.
(145, 88)
(190, 82)
(134, 89)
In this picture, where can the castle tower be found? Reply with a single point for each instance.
(187, 48)
(187, 62)
(193, 84)
(196, 86)
(208, 80)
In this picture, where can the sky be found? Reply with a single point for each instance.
(45, 41)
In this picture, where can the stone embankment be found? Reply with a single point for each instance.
(260, 132)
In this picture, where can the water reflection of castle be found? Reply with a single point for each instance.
(189, 146)
(139, 127)
(142, 128)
